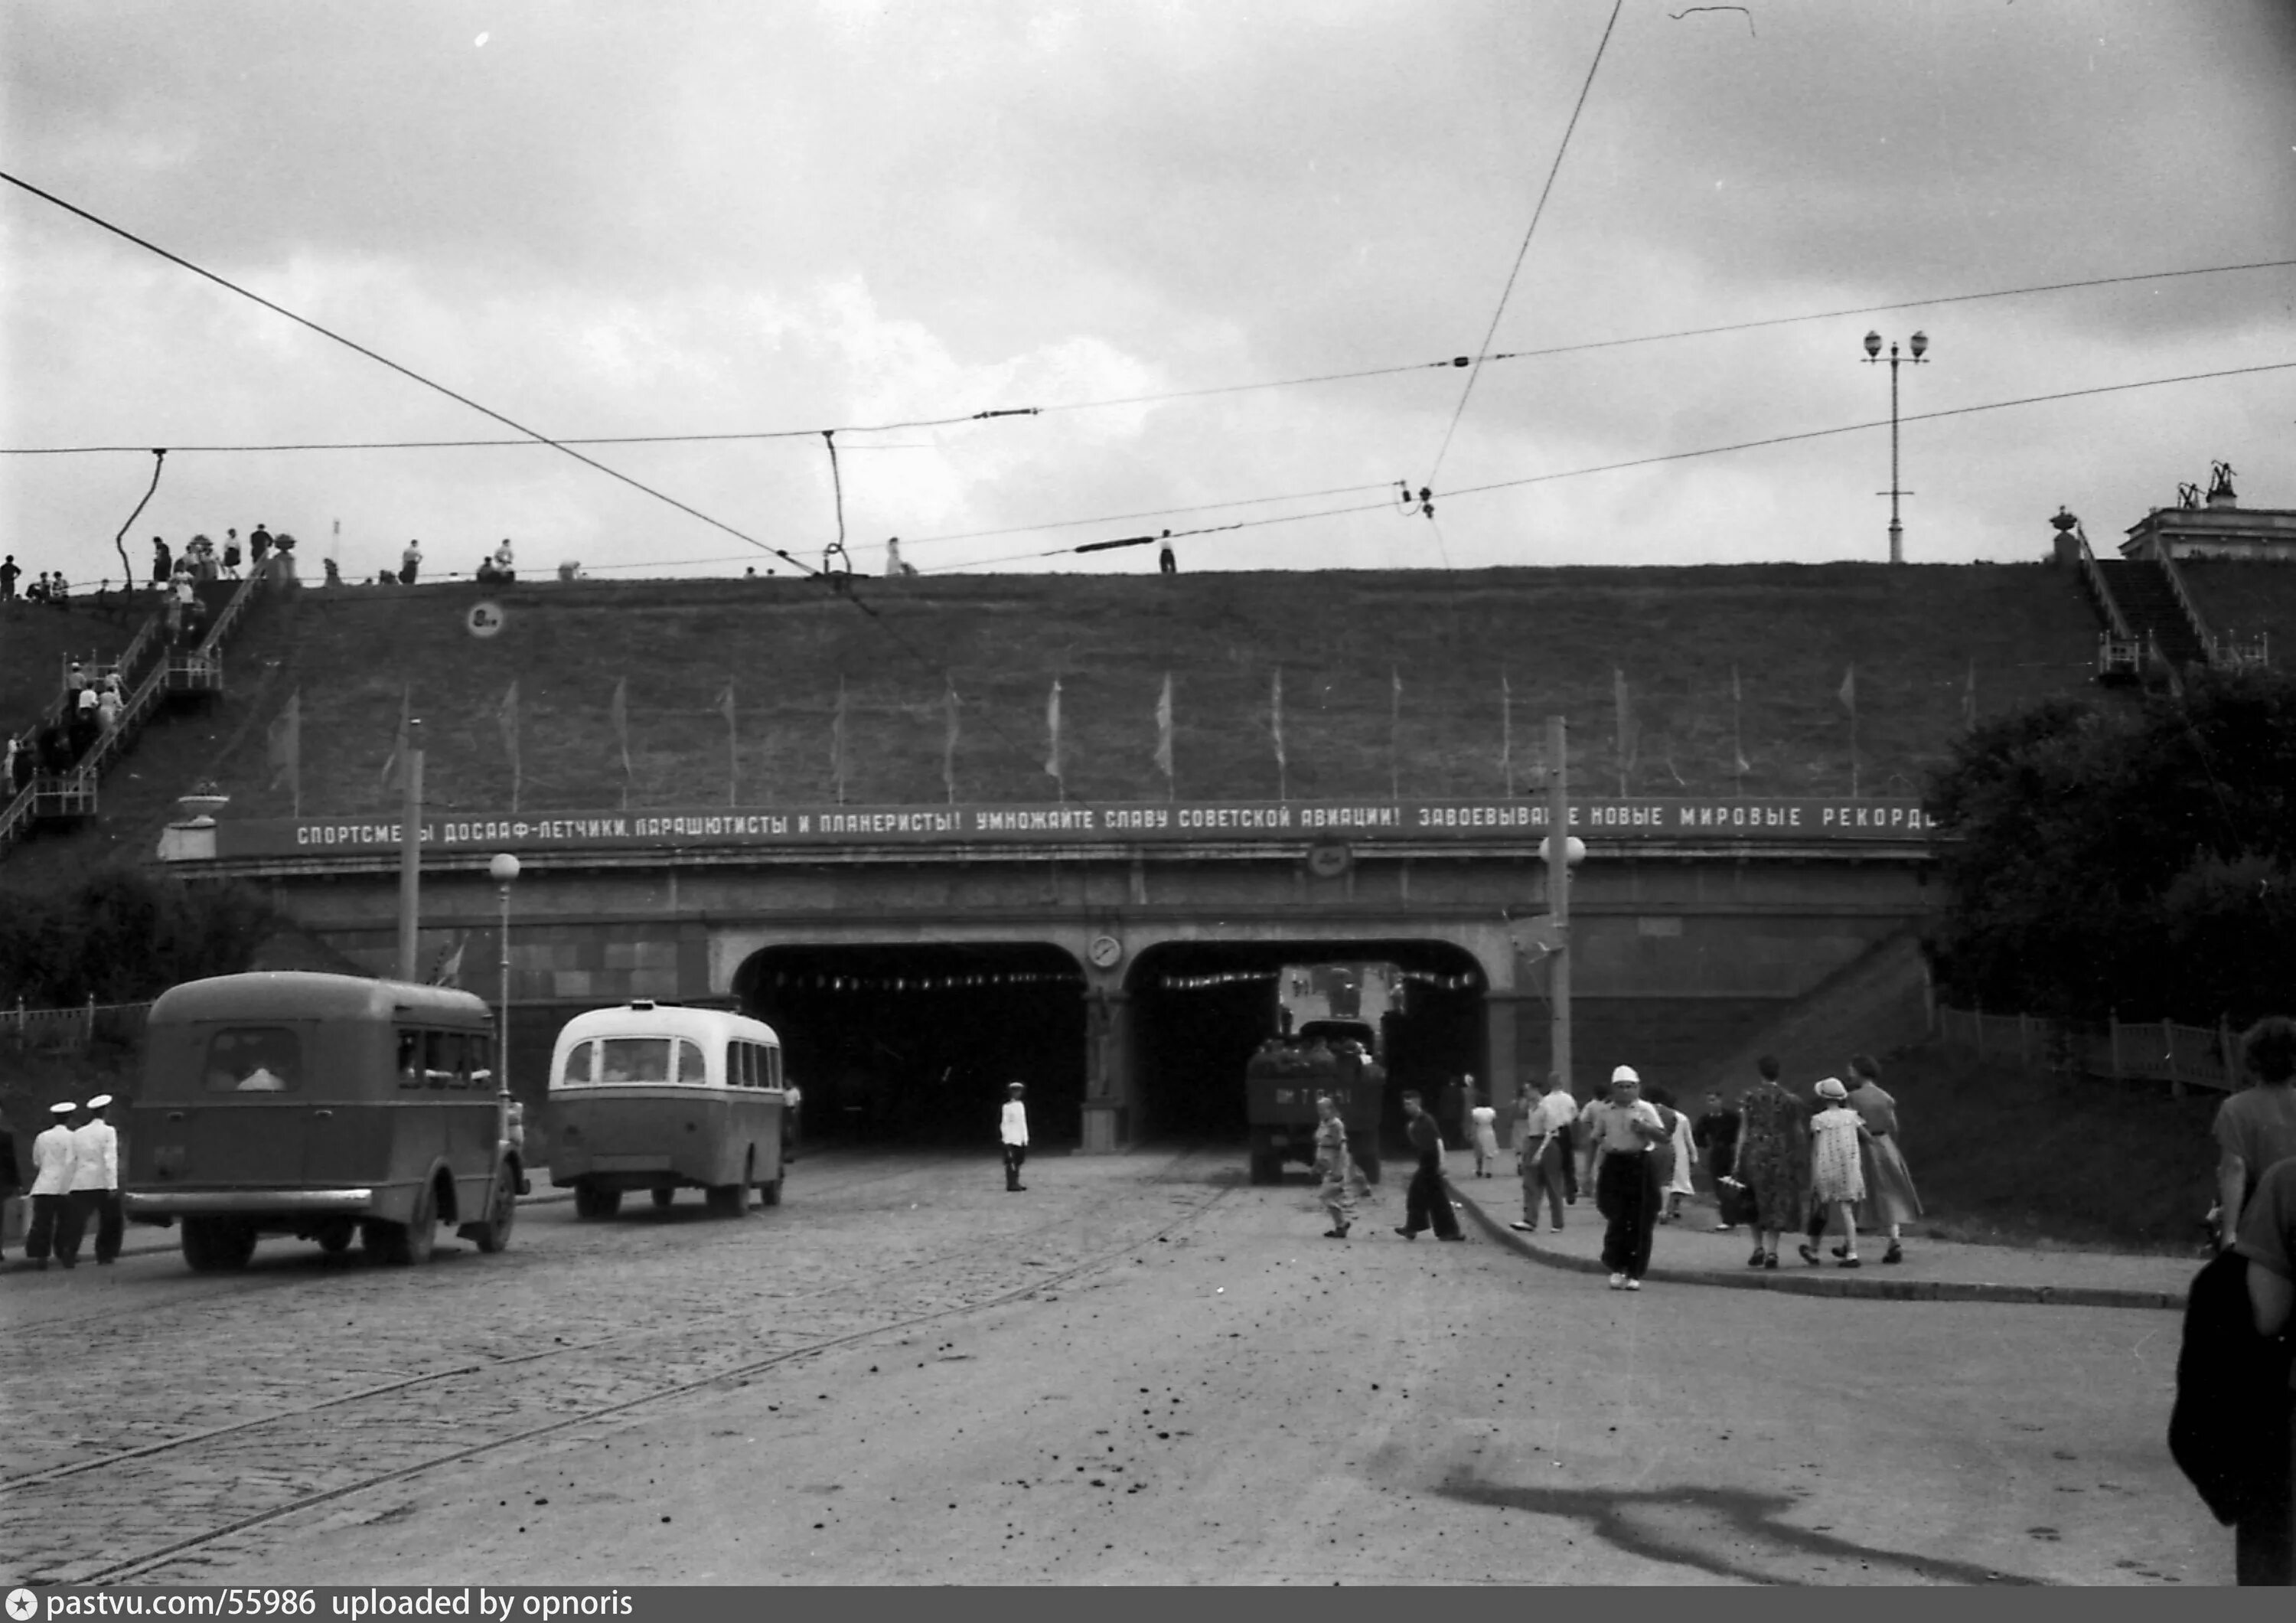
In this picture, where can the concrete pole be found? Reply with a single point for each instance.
(410, 852)
(1558, 890)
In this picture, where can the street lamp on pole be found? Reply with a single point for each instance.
(1917, 343)
(503, 870)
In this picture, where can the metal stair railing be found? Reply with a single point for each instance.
(2192, 610)
(2120, 651)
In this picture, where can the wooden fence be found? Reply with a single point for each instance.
(2182, 1056)
(72, 1030)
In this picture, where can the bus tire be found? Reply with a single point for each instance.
(409, 1244)
(216, 1245)
(493, 1234)
(590, 1201)
(336, 1238)
(770, 1194)
(1266, 1164)
(662, 1197)
(729, 1200)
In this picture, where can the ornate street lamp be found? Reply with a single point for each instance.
(504, 870)
(1918, 343)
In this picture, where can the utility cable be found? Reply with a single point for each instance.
(1545, 192)
(1456, 361)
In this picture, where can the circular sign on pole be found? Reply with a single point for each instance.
(1105, 952)
(1329, 860)
(484, 620)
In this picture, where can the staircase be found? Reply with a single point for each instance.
(70, 796)
(2155, 610)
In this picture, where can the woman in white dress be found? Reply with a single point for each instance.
(1484, 1130)
(1678, 1186)
(1837, 1182)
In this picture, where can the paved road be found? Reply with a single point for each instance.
(1141, 1370)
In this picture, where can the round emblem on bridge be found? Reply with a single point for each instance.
(484, 620)
(1105, 952)
(1329, 860)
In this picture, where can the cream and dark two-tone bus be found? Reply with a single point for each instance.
(656, 1097)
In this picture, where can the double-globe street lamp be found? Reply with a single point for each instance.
(1917, 343)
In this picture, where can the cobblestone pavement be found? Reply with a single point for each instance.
(153, 1409)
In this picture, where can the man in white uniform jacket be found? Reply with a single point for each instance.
(1013, 1129)
(96, 1178)
(54, 1154)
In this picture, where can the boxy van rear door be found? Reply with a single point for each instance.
(243, 1125)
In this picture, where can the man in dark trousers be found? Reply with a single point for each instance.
(1012, 1128)
(1622, 1133)
(1427, 1203)
(1716, 1135)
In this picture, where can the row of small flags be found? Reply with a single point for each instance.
(285, 736)
(923, 982)
(1230, 978)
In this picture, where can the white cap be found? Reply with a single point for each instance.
(1626, 1072)
(62, 1108)
(99, 1101)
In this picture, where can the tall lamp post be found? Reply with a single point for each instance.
(1917, 343)
(1563, 851)
(503, 870)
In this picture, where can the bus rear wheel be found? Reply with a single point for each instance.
(216, 1245)
(502, 1211)
(662, 1197)
(407, 1244)
(770, 1194)
(592, 1201)
(729, 1200)
(336, 1238)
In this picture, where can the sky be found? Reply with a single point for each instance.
(727, 218)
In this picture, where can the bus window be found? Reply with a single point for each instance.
(478, 1059)
(737, 1064)
(581, 1061)
(442, 1058)
(773, 1068)
(410, 1060)
(635, 1059)
(254, 1059)
(691, 1066)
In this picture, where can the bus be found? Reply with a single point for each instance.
(659, 1097)
(323, 1107)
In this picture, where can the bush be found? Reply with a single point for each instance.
(124, 936)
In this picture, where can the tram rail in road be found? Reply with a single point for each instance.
(150, 1512)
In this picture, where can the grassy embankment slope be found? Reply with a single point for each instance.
(1555, 635)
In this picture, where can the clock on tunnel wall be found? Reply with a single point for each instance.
(1105, 952)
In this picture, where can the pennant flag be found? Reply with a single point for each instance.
(394, 764)
(285, 738)
(449, 972)
(948, 748)
(1053, 730)
(506, 718)
(1968, 699)
(837, 743)
(1164, 733)
(733, 745)
(618, 712)
(1848, 695)
(1506, 734)
(1395, 734)
(1625, 726)
(1737, 729)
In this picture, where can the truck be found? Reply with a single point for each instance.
(1329, 1036)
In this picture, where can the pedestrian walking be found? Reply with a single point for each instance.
(1892, 1201)
(1623, 1133)
(53, 1229)
(2256, 1127)
(1837, 1178)
(792, 1123)
(1166, 564)
(163, 562)
(1681, 1152)
(1772, 1160)
(231, 555)
(1543, 1148)
(95, 1177)
(1427, 1203)
(1333, 1166)
(1013, 1127)
(503, 562)
(9, 574)
(258, 544)
(2264, 1537)
(410, 563)
(106, 705)
(1483, 1124)
(1716, 1135)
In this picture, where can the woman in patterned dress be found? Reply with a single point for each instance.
(1837, 1181)
(1773, 1161)
(1891, 1201)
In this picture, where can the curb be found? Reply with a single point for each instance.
(1835, 1284)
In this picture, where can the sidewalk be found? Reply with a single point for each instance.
(1689, 1252)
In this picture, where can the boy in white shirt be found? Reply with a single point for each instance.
(1013, 1127)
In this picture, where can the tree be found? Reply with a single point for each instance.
(2134, 857)
(124, 935)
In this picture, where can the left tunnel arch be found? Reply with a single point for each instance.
(913, 1042)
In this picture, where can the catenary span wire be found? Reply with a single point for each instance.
(845, 588)
(1754, 323)
(407, 372)
(1637, 462)
(1545, 192)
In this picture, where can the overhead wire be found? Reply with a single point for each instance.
(1454, 362)
(1546, 191)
